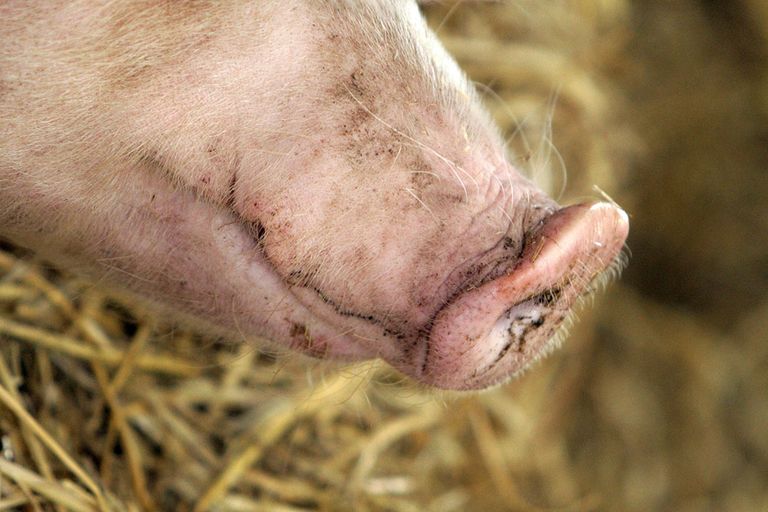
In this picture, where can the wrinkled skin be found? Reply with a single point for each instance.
(318, 173)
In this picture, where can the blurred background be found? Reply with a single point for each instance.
(657, 401)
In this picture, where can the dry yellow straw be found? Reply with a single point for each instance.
(28, 421)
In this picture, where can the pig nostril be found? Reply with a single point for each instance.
(519, 322)
(548, 297)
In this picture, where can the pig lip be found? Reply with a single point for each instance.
(493, 332)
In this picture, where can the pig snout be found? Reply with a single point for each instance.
(489, 333)
(319, 174)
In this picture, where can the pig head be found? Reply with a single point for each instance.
(318, 173)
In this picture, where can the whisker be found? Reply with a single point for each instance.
(451, 165)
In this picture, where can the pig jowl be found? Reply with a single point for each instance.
(319, 174)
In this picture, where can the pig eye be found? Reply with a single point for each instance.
(258, 231)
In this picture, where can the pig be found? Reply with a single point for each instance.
(318, 173)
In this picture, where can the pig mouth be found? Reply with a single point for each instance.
(486, 332)
(491, 333)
